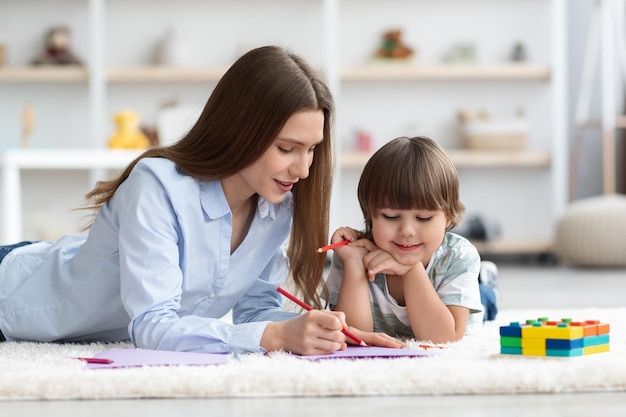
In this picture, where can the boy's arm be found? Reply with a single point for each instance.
(354, 297)
(430, 318)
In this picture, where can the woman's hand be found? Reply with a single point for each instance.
(316, 332)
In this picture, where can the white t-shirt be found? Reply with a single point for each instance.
(453, 271)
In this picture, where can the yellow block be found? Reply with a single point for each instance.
(596, 349)
(533, 352)
(552, 332)
(534, 343)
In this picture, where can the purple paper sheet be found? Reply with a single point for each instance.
(128, 358)
(125, 358)
(356, 352)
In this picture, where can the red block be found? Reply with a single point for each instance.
(590, 327)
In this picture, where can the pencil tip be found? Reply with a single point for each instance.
(363, 344)
(319, 250)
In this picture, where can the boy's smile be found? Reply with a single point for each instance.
(410, 236)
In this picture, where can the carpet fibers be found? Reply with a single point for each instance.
(31, 371)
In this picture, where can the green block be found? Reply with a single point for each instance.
(511, 341)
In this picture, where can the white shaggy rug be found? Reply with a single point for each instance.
(472, 366)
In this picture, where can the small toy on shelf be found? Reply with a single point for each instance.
(478, 228)
(393, 47)
(461, 53)
(480, 131)
(363, 141)
(28, 124)
(518, 53)
(3, 51)
(173, 51)
(542, 337)
(128, 135)
(57, 49)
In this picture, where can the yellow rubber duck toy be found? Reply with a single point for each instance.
(127, 135)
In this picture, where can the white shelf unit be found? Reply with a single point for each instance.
(160, 74)
(469, 159)
(411, 72)
(13, 162)
(74, 105)
(524, 192)
(115, 40)
(43, 74)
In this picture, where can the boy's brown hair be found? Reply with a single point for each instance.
(410, 173)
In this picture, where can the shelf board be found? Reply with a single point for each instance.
(43, 74)
(164, 74)
(499, 159)
(67, 158)
(372, 72)
(471, 159)
(407, 71)
(514, 247)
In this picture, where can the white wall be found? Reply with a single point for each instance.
(513, 198)
(218, 30)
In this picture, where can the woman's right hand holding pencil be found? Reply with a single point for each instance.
(316, 332)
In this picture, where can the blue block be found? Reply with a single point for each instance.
(564, 352)
(510, 350)
(564, 343)
(513, 330)
(602, 339)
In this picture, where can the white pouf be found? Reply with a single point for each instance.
(592, 232)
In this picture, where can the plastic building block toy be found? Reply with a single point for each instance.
(542, 337)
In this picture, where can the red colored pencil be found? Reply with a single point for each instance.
(95, 360)
(427, 346)
(333, 246)
(309, 308)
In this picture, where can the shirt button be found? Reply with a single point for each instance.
(212, 295)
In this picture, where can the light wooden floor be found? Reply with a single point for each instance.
(521, 286)
(583, 405)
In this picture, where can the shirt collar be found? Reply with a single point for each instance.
(215, 205)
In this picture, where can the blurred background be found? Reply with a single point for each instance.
(525, 95)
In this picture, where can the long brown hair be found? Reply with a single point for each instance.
(410, 173)
(242, 117)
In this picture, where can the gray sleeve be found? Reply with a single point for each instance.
(334, 279)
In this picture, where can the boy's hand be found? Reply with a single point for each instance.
(378, 261)
(377, 339)
(349, 251)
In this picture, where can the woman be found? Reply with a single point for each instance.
(188, 232)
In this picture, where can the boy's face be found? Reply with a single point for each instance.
(409, 236)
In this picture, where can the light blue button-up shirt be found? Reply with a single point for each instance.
(156, 267)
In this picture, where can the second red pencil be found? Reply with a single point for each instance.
(333, 246)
